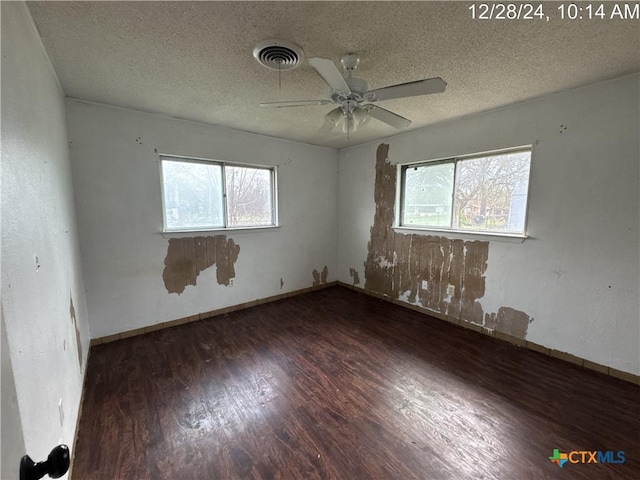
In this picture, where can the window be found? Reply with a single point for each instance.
(210, 195)
(481, 193)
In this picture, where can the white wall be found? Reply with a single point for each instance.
(116, 176)
(38, 219)
(577, 274)
(12, 440)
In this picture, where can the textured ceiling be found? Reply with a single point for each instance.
(194, 60)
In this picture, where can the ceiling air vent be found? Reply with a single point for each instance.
(278, 54)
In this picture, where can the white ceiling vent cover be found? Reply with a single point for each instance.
(278, 54)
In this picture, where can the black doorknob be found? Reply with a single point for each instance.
(56, 465)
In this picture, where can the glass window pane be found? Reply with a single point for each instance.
(491, 193)
(428, 195)
(192, 195)
(249, 197)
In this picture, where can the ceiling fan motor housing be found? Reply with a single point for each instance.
(358, 88)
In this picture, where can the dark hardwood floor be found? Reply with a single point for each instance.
(336, 384)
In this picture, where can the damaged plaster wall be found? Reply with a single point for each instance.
(188, 256)
(46, 344)
(577, 275)
(137, 276)
(398, 263)
(320, 278)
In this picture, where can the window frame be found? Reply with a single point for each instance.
(401, 191)
(223, 164)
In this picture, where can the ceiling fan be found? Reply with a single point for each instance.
(351, 96)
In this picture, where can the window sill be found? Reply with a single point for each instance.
(217, 231)
(465, 235)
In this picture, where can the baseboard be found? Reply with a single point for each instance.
(209, 314)
(520, 342)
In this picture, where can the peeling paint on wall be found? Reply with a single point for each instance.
(324, 274)
(508, 320)
(397, 264)
(72, 313)
(320, 277)
(355, 275)
(187, 257)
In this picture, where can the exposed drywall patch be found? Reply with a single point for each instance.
(320, 277)
(509, 321)
(187, 257)
(397, 264)
(72, 313)
(475, 265)
(355, 275)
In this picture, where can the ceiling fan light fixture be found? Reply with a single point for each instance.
(355, 120)
(278, 54)
(332, 120)
(335, 115)
(350, 126)
(360, 116)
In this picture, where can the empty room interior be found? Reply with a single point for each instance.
(313, 240)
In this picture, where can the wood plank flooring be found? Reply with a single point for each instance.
(336, 384)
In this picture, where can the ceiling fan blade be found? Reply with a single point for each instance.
(411, 89)
(387, 117)
(296, 103)
(330, 74)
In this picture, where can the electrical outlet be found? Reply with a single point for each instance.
(61, 411)
(232, 282)
(451, 290)
(425, 285)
